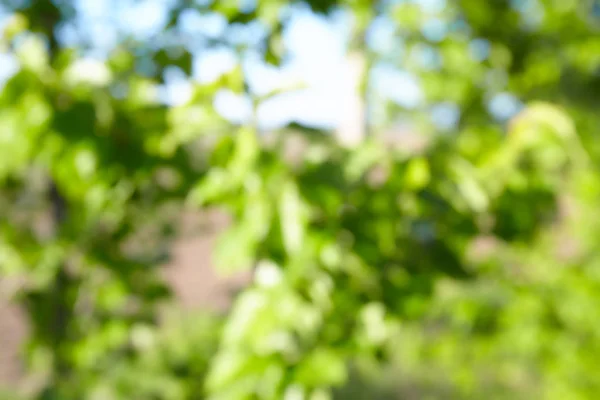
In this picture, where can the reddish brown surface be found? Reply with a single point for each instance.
(195, 281)
(12, 331)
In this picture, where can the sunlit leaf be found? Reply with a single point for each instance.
(417, 174)
(322, 367)
(293, 218)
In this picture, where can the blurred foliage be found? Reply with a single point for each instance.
(467, 268)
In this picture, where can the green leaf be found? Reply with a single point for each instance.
(179, 57)
(16, 24)
(363, 158)
(244, 316)
(247, 151)
(228, 367)
(33, 55)
(417, 174)
(235, 249)
(322, 367)
(292, 216)
(215, 185)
